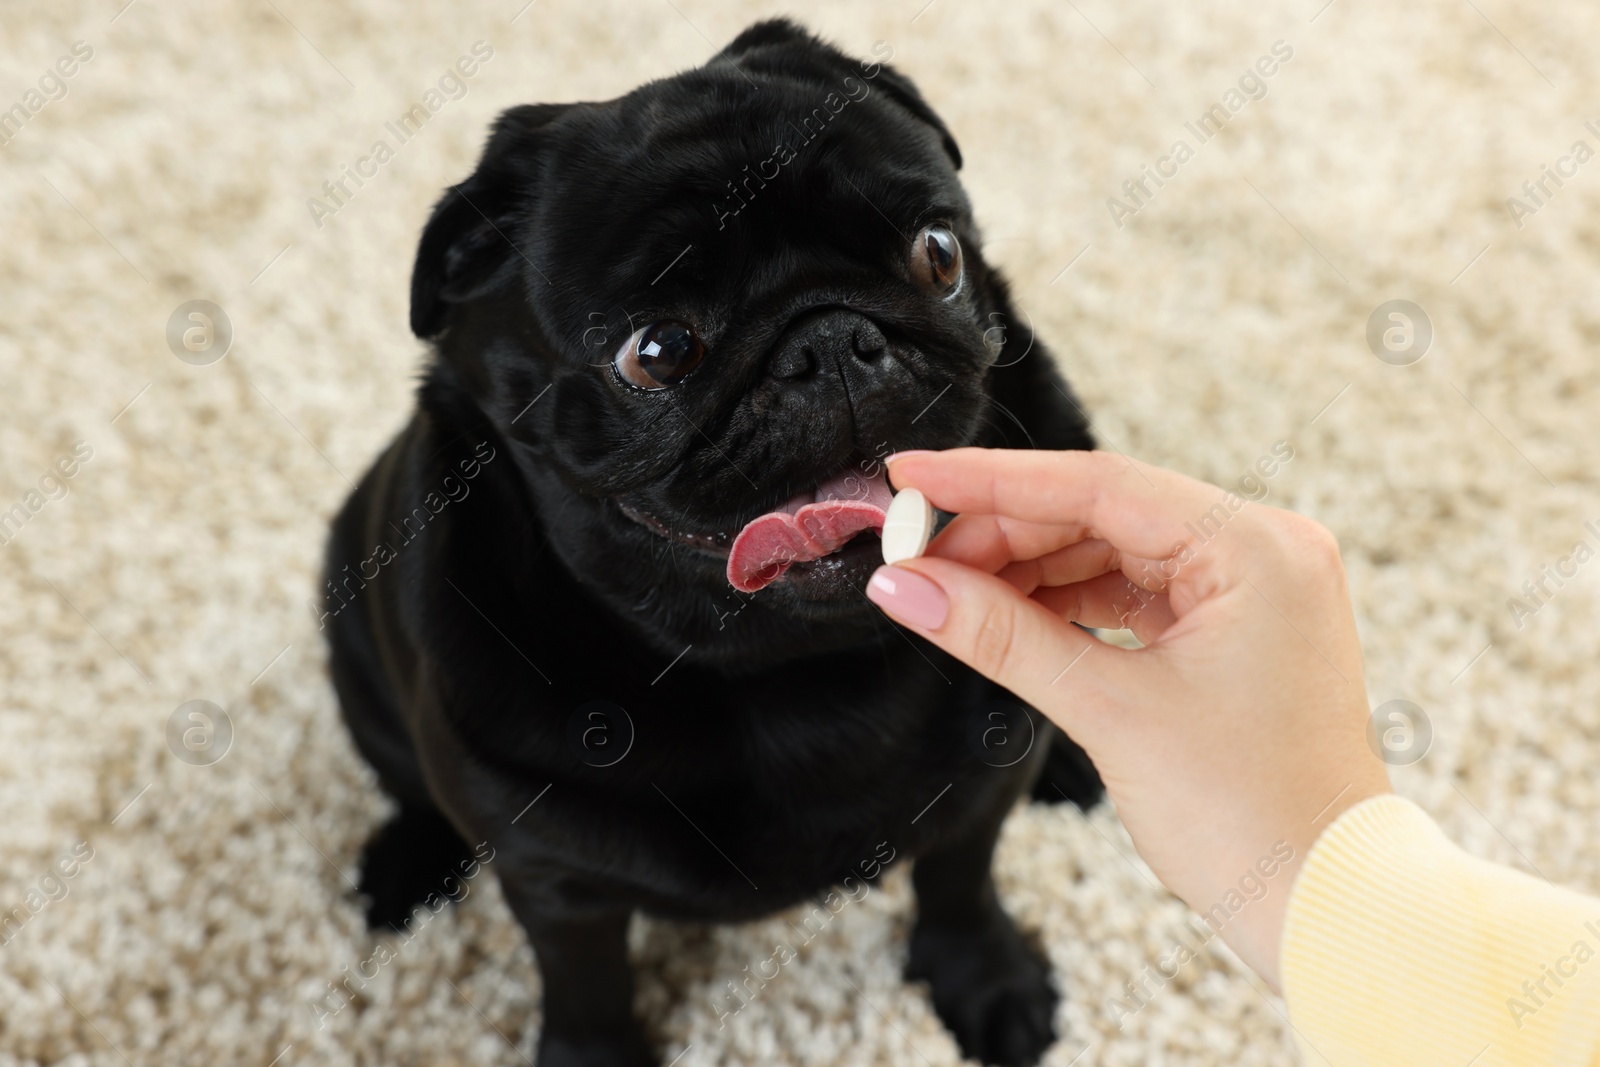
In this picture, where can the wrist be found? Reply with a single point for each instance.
(1256, 907)
(1258, 939)
(1248, 913)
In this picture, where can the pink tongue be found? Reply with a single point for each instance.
(808, 527)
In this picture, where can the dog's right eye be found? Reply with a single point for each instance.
(936, 260)
(661, 354)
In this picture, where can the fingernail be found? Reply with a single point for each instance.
(908, 452)
(909, 597)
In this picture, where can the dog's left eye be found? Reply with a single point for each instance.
(660, 354)
(936, 259)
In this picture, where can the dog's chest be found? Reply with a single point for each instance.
(720, 798)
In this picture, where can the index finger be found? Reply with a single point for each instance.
(1143, 510)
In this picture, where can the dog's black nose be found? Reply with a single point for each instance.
(827, 337)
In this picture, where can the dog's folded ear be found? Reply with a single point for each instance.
(903, 91)
(783, 46)
(467, 246)
(766, 33)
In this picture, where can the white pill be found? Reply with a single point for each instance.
(907, 525)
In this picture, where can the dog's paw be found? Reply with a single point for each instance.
(627, 1049)
(991, 989)
(409, 858)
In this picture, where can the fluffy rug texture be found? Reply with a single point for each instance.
(1203, 321)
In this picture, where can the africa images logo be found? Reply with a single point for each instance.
(452, 85)
(408, 529)
(1251, 86)
(810, 128)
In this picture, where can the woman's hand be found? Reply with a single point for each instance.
(1228, 742)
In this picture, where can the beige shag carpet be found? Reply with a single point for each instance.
(208, 906)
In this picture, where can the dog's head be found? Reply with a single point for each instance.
(703, 313)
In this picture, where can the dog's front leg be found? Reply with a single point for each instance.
(989, 986)
(582, 953)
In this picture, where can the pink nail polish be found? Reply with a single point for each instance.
(909, 597)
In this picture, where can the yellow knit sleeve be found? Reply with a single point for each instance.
(1399, 948)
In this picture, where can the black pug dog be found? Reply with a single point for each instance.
(598, 609)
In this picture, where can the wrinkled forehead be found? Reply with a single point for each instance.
(705, 180)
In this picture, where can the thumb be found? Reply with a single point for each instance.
(992, 628)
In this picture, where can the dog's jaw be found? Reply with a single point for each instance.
(717, 543)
